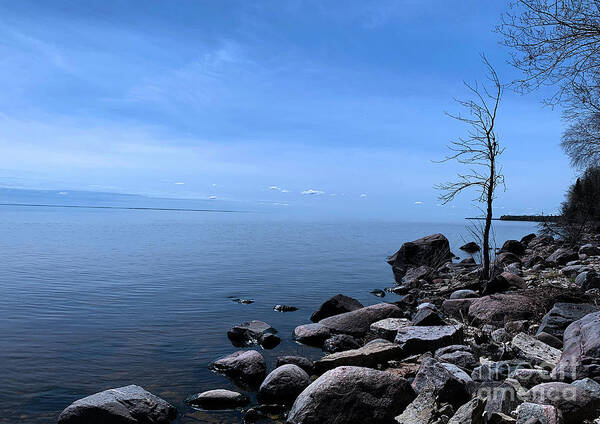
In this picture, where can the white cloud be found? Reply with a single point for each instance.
(212, 197)
(418, 203)
(363, 196)
(313, 191)
(283, 190)
(179, 183)
(275, 188)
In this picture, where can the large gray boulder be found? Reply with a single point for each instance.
(312, 334)
(388, 328)
(562, 315)
(588, 280)
(422, 410)
(459, 355)
(528, 413)
(451, 384)
(534, 351)
(304, 363)
(245, 366)
(218, 399)
(352, 395)
(573, 404)
(433, 251)
(123, 405)
(500, 308)
(283, 385)
(372, 354)
(581, 351)
(357, 323)
(414, 340)
(562, 256)
(338, 304)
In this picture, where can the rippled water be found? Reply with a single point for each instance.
(94, 299)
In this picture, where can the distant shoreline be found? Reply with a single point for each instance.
(120, 207)
(523, 218)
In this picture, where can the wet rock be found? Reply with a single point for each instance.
(513, 246)
(589, 249)
(581, 352)
(338, 304)
(284, 308)
(423, 339)
(562, 315)
(249, 333)
(378, 293)
(534, 351)
(470, 247)
(388, 328)
(123, 405)
(459, 355)
(562, 256)
(470, 413)
(372, 354)
(269, 341)
(242, 301)
(283, 385)
(572, 403)
(312, 334)
(456, 308)
(340, 343)
(265, 412)
(531, 413)
(352, 395)
(503, 307)
(450, 383)
(464, 294)
(433, 251)
(357, 323)
(218, 399)
(529, 378)
(300, 361)
(244, 366)
(588, 280)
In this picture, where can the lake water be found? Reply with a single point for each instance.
(95, 299)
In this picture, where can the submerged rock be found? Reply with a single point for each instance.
(123, 405)
(249, 333)
(352, 395)
(218, 399)
(338, 304)
(284, 308)
(244, 366)
(378, 293)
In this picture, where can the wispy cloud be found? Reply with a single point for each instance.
(179, 183)
(418, 203)
(311, 191)
(363, 196)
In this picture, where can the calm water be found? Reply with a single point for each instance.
(94, 299)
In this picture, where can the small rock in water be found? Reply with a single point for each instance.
(218, 399)
(242, 301)
(378, 292)
(284, 308)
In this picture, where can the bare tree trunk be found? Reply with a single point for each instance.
(488, 224)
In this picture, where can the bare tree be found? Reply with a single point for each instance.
(581, 141)
(479, 150)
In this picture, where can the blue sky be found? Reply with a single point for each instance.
(336, 107)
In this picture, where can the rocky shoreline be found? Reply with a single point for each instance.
(523, 347)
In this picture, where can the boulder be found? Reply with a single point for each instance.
(388, 328)
(338, 304)
(422, 410)
(427, 316)
(352, 395)
(581, 351)
(562, 256)
(562, 315)
(529, 378)
(370, 355)
(590, 250)
(283, 385)
(572, 271)
(573, 404)
(513, 246)
(531, 413)
(340, 343)
(464, 294)
(312, 334)
(304, 363)
(534, 351)
(470, 413)
(413, 275)
(550, 340)
(218, 399)
(433, 251)
(357, 323)
(514, 280)
(450, 383)
(504, 259)
(284, 308)
(245, 366)
(414, 340)
(589, 386)
(123, 405)
(500, 336)
(496, 284)
(500, 397)
(527, 239)
(249, 333)
(503, 307)
(459, 355)
(470, 247)
(588, 280)
(497, 371)
(456, 308)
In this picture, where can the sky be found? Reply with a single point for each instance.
(311, 106)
